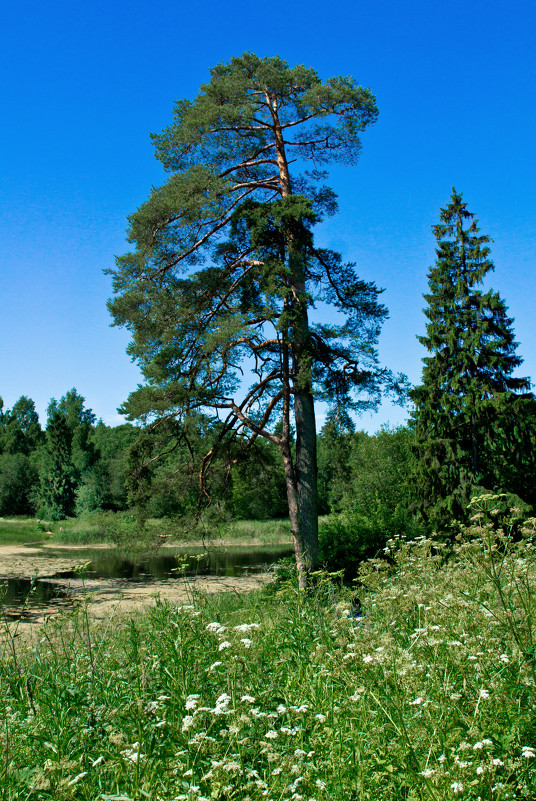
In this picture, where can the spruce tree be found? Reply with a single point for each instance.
(468, 400)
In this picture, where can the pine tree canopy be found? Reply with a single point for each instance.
(467, 403)
(225, 271)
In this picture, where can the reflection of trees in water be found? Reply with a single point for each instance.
(213, 562)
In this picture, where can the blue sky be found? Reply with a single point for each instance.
(84, 84)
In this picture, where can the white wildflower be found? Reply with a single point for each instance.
(427, 773)
(232, 767)
(271, 735)
(527, 752)
(215, 627)
(367, 658)
(247, 642)
(457, 787)
(281, 709)
(248, 699)
(484, 694)
(215, 665)
(133, 753)
(224, 644)
(192, 702)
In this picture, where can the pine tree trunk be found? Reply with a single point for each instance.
(306, 477)
(302, 475)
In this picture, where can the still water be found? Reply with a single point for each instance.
(173, 563)
(18, 595)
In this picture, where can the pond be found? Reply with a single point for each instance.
(174, 562)
(111, 569)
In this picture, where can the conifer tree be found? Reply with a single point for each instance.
(68, 455)
(469, 396)
(225, 270)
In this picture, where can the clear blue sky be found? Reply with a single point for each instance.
(84, 83)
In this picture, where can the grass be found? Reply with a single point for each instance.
(18, 530)
(265, 532)
(121, 527)
(278, 695)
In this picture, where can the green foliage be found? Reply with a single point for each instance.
(20, 431)
(104, 484)
(468, 407)
(18, 481)
(67, 457)
(366, 485)
(57, 474)
(258, 484)
(430, 695)
(347, 540)
(335, 444)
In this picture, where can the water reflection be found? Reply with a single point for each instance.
(231, 561)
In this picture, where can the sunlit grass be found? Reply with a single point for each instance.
(279, 695)
(261, 531)
(110, 527)
(17, 530)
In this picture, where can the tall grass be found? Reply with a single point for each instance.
(123, 527)
(15, 530)
(265, 532)
(280, 695)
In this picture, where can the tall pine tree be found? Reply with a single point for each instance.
(225, 273)
(469, 399)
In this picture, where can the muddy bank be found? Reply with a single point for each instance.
(33, 561)
(106, 598)
(114, 600)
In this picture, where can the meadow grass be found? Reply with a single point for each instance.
(265, 532)
(14, 530)
(122, 527)
(281, 695)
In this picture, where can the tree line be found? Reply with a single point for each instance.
(74, 466)
(77, 466)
